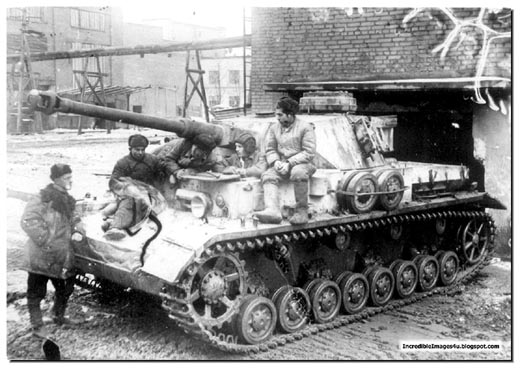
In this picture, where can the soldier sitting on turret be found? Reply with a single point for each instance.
(249, 162)
(137, 165)
(290, 150)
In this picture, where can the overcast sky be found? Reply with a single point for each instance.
(195, 12)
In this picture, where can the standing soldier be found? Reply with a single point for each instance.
(51, 223)
(290, 150)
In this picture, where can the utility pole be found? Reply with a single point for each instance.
(26, 77)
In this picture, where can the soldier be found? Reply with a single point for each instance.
(137, 165)
(51, 223)
(187, 156)
(249, 162)
(290, 150)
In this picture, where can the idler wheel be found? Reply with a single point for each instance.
(474, 241)
(354, 291)
(381, 282)
(256, 320)
(448, 267)
(325, 297)
(405, 276)
(293, 306)
(428, 271)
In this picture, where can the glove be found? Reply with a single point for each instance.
(277, 165)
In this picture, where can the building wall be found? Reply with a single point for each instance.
(492, 137)
(56, 25)
(164, 70)
(158, 101)
(328, 44)
(228, 88)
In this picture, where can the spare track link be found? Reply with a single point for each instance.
(180, 310)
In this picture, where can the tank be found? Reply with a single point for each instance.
(382, 233)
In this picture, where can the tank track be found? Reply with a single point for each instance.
(179, 310)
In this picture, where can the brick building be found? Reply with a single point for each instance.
(393, 66)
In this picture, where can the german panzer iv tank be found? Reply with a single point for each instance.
(381, 234)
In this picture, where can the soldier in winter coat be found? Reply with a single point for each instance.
(249, 161)
(51, 223)
(194, 155)
(140, 166)
(290, 150)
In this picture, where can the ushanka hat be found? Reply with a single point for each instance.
(58, 170)
(137, 141)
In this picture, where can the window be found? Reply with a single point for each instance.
(33, 14)
(214, 77)
(213, 100)
(87, 20)
(234, 101)
(234, 77)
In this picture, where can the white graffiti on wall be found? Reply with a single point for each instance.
(460, 30)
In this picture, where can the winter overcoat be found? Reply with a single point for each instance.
(295, 144)
(48, 250)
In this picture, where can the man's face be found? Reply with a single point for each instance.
(198, 154)
(137, 152)
(65, 181)
(240, 150)
(285, 119)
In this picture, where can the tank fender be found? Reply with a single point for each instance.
(492, 203)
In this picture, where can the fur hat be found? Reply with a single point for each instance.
(137, 141)
(288, 105)
(58, 170)
(247, 140)
(204, 142)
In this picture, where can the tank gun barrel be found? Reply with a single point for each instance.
(49, 103)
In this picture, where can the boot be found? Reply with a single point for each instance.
(36, 319)
(271, 213)
(115, 234)
(60, 305)
(301, 192)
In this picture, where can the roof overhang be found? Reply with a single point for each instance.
(109, 91)
(414, 84)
